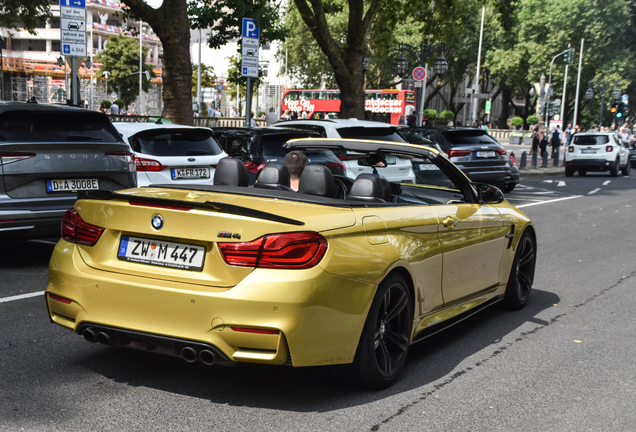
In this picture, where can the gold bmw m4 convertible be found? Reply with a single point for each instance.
(341, 271)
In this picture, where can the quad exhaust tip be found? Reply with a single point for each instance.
(89, 336)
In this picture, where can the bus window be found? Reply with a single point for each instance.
(373, 96)
(389, 96)
(335, 96)
(323, 95)
(291, 96)
(306, 95)
(410, 97)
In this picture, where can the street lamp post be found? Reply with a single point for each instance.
(602, 87)
(141, 30)
(401, 66)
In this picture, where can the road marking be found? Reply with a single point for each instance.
(605, 183)
(561, 183)
(547, 202)
(594, 191)
(548, 181)
(21, 296)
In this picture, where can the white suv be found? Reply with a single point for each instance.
(597, 152)
(398, 169)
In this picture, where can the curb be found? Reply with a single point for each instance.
(542, 172)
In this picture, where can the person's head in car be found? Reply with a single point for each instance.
(296, 161)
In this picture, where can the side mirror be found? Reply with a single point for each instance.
(489, 194)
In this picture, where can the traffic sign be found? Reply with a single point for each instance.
(419, 73)
(249, 29)
(249, 48)
(73, 28)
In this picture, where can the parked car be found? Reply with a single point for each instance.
(169, 153)
(47, 154)
(512, 174)
(602, 151)
(399, 169)
(223, 274)
(256, 146)
(632, 154)
(480, 156)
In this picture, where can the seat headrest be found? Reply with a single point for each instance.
(231, 172)
(367, 187)
(273, 173)
(317, 180)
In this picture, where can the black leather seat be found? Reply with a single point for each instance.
(274, 175)
(317, 180)
(367, 187)
(231, 172)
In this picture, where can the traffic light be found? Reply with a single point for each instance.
(614, 109)
(625, 109)
(569, 56)
(619, 110)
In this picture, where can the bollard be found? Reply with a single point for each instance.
(524, 160)
(556, 158)
(535, 156)
(544, 157)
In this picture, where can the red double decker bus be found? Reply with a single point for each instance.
(386, 106)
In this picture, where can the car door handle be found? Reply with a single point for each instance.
(449, 222)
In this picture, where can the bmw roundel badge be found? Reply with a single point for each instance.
(157, 222)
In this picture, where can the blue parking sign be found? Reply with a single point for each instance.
(249, 28)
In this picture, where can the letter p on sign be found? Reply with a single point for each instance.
(249, 28)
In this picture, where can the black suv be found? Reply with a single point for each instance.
(257, 146)
(481, 157)
(47, 154)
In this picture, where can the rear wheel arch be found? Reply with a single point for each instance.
(406, 276)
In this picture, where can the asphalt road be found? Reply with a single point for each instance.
(564, 363)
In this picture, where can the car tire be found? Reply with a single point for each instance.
(509, 187)
(628, 167)
(569, 172)
(521, 274)
(615, 168)
(386, 335)
(582, 172)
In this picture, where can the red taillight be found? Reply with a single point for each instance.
(513, 161)
(336, 165)
(255, 330)
(501, 151)
(254, 167)
(75, 230)
(163, 206)
(609, 149)
(148, 164)
(58, 298)
(571, 149)
(298, 250)
(7, 158)
(127, 157)
(454, 153)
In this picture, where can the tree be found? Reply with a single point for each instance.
(208, 77)
(345, 55)
(20, 14)
(121, 59)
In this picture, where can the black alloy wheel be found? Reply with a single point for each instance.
(615, 168)
(386, 336)
(521, 274)
(628, 167)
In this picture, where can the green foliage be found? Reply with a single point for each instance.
(234, 79)
(516, 122)
(105, 104)
(20, 14)
(532, 120)
(208, 77)
(430, 114)
(121, 59)
(447, 115)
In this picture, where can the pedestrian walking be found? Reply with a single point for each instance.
(536, 139)
(555, 140)
(568, 133)
(271, 117)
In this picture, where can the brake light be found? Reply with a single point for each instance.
(7, 158)
(513, 161)
(75, 230)
(162, 206)
(127, 157)
(454, 153)
(501, 151)
(254, 167)
(336, 165)
(571, 149)
(148, 165)
(58, 298)
(297, 250)
(609, 149)
(255, 330)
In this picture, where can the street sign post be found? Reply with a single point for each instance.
(419, 73)
(249, 60)
(73, 38)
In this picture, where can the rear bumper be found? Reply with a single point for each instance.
(312, 322)
(494, 177)
(32, 218)
(590, 164)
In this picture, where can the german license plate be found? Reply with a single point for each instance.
(71, 185)
(390, 159)
(161, 253)
(588, 151)
(485, 154)
(428, 167)
(190, 173)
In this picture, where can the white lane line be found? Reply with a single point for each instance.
(561, 183)
(548, 202)
(21, 296)
(605, 183)
(593, 191)
(548, 181)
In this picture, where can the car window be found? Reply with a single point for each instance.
(175, 142)
(238, 147)
(468, 137)
(371, 133)
(314, 128)
(272, 145)
(47, 126)
(590, 139)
